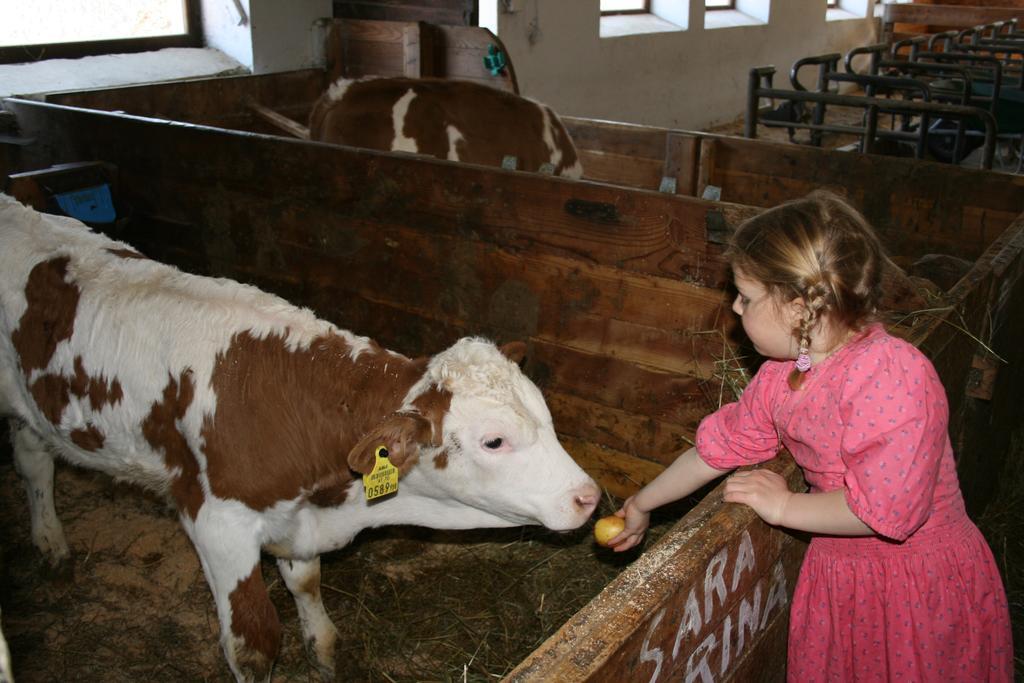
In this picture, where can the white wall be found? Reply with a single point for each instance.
(267, 35)
(690, 78)
(226, 28)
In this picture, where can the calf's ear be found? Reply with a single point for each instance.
(515, 351)
(401, 434)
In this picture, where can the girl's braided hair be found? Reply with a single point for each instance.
(818, 249)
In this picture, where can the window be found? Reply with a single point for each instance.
(721, 14)
(831, 3)
(634, 17)
(625, 6)
(49, 29)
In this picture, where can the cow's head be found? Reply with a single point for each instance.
(487, 451)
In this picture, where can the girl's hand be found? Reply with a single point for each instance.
(636, 524)
(764, 491)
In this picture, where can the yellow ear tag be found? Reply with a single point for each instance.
(383, 478)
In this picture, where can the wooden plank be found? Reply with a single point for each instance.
(357, 48)
(647, 233)
(765, 661)
(586, 302)
(284, 123)
(636, 156)
(412, 53)
(718, 573)
(707, 167)
(699, 637)
(207, 101)
(635, 434)
(418, 48)
(594, 315)
(334, 50)
(681, 161)
(938, 208)
(644, 174)
(621, 385)
(596, 309)
(364, 58)
(623, 139)
(617, 473)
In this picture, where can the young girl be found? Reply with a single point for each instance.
(898, 583)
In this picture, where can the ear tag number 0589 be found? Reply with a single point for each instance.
(383, 478)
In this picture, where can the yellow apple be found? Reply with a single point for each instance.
(608, 528)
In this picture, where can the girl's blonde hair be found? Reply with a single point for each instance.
(818, 249)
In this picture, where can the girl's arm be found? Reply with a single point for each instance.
(684, 476)
(819, 513)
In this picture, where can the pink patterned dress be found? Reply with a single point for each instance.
(922, 600)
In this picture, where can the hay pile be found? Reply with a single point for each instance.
(423, 605)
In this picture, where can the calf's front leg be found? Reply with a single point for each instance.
(303, 580)
(250, 631)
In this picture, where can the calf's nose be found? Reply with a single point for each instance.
(587, 497)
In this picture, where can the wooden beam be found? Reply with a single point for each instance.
(289, 126)
(418, 50)
(680, 167)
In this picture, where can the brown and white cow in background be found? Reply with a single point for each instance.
(447, 119)
(253, 416)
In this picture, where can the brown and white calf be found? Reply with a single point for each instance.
(255, 418)
(455, 120)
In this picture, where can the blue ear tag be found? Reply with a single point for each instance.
(91, 204)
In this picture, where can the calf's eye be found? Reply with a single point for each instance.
(495, 443)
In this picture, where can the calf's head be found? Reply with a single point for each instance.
(475, 439)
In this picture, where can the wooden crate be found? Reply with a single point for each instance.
(415, 49)
(620, 290)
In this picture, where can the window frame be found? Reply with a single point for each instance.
(646, 9)
(193, 37)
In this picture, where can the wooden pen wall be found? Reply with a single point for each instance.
(619, 292)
